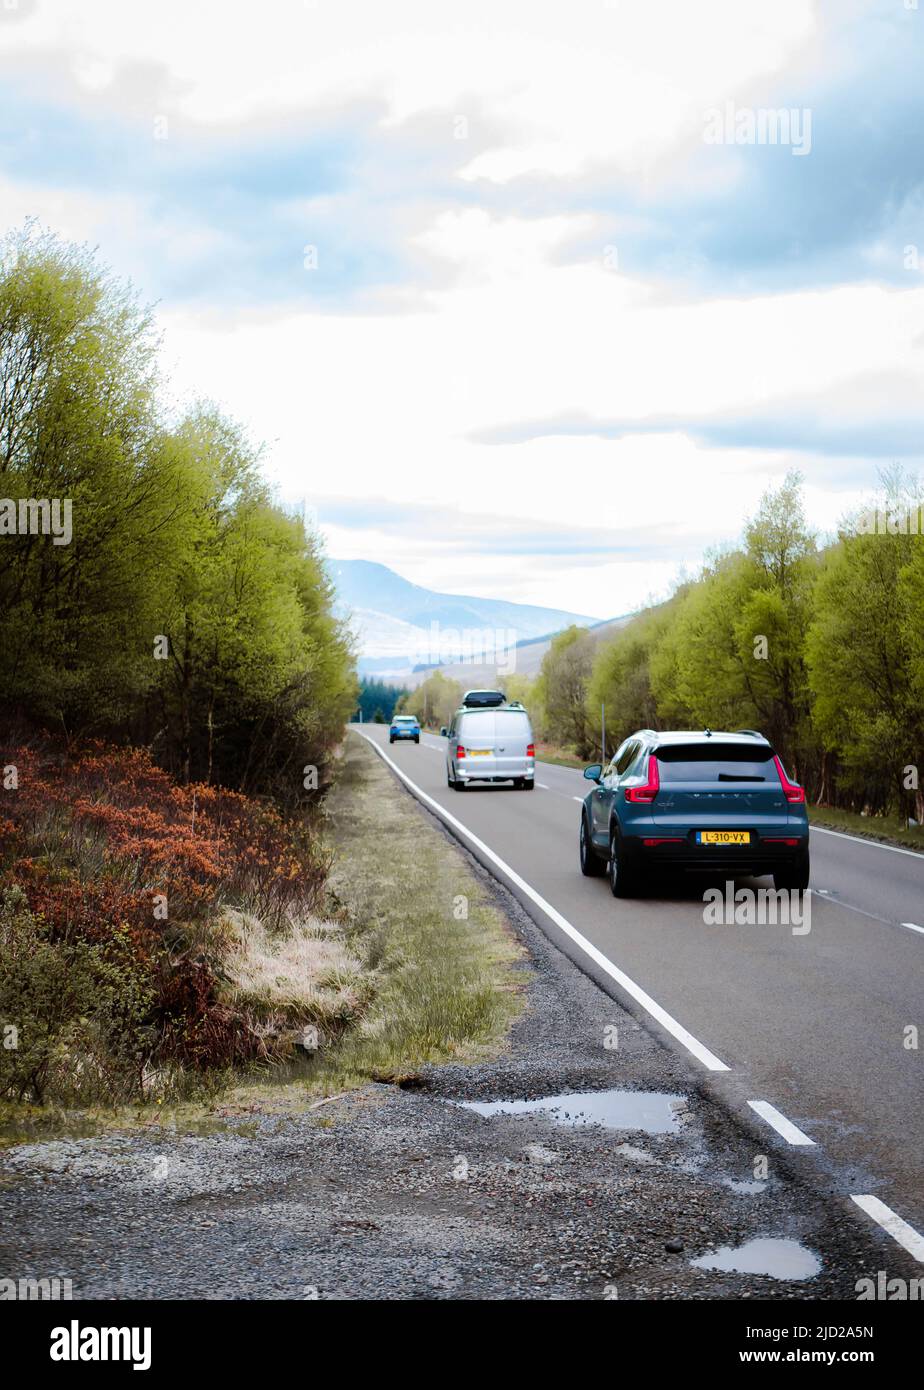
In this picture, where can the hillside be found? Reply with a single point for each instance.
(393, 619)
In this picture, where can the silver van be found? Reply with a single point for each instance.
(491, 745)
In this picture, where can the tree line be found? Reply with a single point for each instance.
(189, 611)
(820, 647)
(376, 700)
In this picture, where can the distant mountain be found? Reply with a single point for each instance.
(400, 625)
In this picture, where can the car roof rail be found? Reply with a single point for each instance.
(755, 733)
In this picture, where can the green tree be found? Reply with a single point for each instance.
(866, 662)
(178, 551)
(564, 679)
(434, 701)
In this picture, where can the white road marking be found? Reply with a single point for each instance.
(578, 798)
(543, 785)
(913, 927)
(670, 1024)
(790, 1132)
(906, 1236)
(859, 840)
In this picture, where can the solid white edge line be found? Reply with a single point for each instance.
(790, 1132)
(859, 840)
(906, 1236)
(670, 1024)
(912, 926)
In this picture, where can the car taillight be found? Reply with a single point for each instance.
(791, 791)
(648, 790)
(664, 840)
(460, 751)
(768, 840)
(530, 750)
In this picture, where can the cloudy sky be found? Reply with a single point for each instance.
(518, 292)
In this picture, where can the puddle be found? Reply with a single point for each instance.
(782, 1259)
(650, 1111)
(748, 1185)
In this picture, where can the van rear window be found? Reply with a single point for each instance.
(727, 762)
(509, 721)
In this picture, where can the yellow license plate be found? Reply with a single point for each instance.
(479, 752)
(723, 837)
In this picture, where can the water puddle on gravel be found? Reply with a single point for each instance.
(649, 1111)
(781, 1259)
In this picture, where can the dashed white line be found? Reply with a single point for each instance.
(543, 785)
(578, 798)
(906, 1236)
(912, 926)
(670, 1024)
(790, 1132)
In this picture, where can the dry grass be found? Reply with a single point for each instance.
(447, 986)
(304, 974)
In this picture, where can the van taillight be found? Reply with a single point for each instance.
(460, 751)
(648, 790)
(791, 791)
(530, 750)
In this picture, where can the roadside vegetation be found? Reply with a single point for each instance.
(173, 689)
(188, 613)
(820, 647)
(153, 936)
(437, 947)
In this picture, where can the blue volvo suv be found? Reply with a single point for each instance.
(719, 802)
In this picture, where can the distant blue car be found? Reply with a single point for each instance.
(404, 726)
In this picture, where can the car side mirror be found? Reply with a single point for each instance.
(594, 772)
(443, 731)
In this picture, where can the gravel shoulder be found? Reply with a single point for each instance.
(399, 1192)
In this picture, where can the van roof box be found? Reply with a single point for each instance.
(483, 699)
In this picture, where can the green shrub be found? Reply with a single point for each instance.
(75, 1016)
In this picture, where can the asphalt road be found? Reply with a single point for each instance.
(813, 1023)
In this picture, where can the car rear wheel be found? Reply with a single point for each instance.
(592, 866)
(625, 879)
(794, 877)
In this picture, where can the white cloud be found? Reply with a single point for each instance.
(362, 405)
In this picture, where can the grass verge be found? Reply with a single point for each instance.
(443, 971)
(418, 916)
(889, 830)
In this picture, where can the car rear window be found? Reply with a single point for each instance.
(404, 719)
(727, 762)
